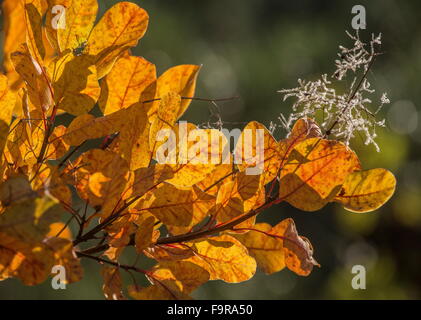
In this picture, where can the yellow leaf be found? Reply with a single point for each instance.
(76, 88)
(168, 109)
(155, 292)
(266, 249)
(145, 234)
(112, 287)
(86, 126)
(34, 75)
(119, 29)
(244, 193)
(23, 228)
(124, 85)
(15, 33)
(315, 171)
(171, 252)
(214, 180)
(47, 179)
(133, 140)
(197, 154)
(57, 147)
(224, 257)
(30, 262)
(179, 276)
(104, 189)
(258, 151)
(34, 39)
(60, 230)
(7, 103)
(79, 19)
(303, 129)
(14, 29)
(55, 19)
(365, 191)
(177, 207)
(179, 79)
(279, 246)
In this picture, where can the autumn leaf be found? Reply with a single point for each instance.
(224, 257)
(23, 227)
(365, 191)
(155, 292)
(198, 153)
(76, 88)
(59, 230)
(79, 19)
(35, 77)
(101, 179)
(239, 196)
(179, 79)
(267, 250)
(258, 152)
(124, 85)
(314, 173)
(112, 287)
(171, 280)
(302, 129)
(177, 207)
(14, 30)
(171, 252)
(279, 246)
(119, 29)
(7, 103)
(145, 234)
(298, 252)
(27, 261)
(33, 20)
(179, 276)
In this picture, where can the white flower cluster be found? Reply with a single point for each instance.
(347, 113)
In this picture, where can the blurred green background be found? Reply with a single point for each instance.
(253, 48)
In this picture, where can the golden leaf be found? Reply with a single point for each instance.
(119, 29)
(76, 88)
(124, 85)
(314, 173)
(224, 257)
(365, 191)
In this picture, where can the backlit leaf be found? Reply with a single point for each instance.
(119, 29)
(224, 257)
(315, 171)
(365, 191)
(124, 85)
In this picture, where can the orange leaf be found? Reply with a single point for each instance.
(179, 79)
(224, 257)
(124, 85)
(315, 171)
(258, 151)
(119, 29)
(365, 191)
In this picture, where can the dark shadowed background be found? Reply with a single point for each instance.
(253, 48)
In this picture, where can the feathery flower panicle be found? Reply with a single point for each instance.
(343, 114)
